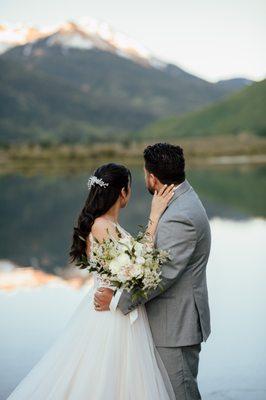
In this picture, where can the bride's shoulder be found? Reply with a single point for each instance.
(102, 228)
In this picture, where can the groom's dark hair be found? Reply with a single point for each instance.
(166, 162)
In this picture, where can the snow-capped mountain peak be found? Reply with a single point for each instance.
(85, 33)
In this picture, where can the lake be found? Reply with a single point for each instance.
(37, 215)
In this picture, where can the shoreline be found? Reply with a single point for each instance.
(232, 150)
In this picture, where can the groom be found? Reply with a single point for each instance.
(179, 313)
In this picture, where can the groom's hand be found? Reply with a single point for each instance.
(102, 299)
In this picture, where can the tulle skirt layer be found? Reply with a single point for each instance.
(100, 356)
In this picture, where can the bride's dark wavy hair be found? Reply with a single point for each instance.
(99, 201)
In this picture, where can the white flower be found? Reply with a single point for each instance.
(124, 244)
(140, 260)
(121, 248)
(128, 263)
(114, 267)
(125, 240)
(136, 271)
(138, 249)
(149, 248)
(116, 264)
(123, 275)
(123, 259)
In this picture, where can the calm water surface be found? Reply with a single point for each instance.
(37, 215)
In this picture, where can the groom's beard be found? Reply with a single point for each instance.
(151, 191)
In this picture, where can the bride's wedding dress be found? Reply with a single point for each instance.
(100, 356)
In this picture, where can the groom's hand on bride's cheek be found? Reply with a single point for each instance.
(102, 299)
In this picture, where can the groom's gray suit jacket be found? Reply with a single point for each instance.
(179, 313)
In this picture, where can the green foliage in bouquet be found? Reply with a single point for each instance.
(124, 262)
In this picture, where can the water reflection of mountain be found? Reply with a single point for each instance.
(38, 212)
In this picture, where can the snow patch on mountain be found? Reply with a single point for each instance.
(85, 33)
(19, 34)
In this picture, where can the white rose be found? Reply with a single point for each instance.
(123, 259)
(119, 262)
(114, 267)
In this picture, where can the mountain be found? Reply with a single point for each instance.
(37, 108)
(234, 84)
(86, 33)
(242, 112)
(93, 65)
(83, 81)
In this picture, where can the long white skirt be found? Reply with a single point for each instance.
(99, 356)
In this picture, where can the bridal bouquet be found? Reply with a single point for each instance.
(128, 263)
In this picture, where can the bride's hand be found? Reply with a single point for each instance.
(160, 201)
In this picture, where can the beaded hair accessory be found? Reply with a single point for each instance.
(93, 180)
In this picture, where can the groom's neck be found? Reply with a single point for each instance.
(160, 185)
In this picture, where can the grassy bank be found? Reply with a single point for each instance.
(198, 150)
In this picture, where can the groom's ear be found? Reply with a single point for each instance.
(153, 180)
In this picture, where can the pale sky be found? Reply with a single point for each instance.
(210, 38)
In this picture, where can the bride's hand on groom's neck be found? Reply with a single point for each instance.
(160, 201)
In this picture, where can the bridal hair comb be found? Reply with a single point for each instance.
(93, 180)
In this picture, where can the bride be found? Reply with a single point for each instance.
(102, 355)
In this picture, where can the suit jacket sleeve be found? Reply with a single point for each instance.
(179, 238)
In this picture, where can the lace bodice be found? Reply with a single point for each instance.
(98, 282)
